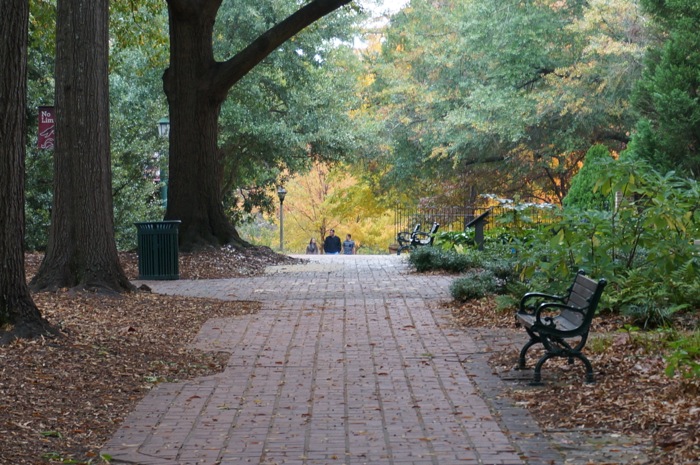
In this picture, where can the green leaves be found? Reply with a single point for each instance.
(293, 109)
(508, 96)
(685, 358)
(642, 245)
(666, 96)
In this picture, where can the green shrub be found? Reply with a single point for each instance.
(435, 259)
(38, 198)
(507, 302)
(650, 315)
(461, 262)
(475, 285)
(502, 269)
(425, 258)
(458, 241)
(685, 358)
(643, 247)
(582, 194)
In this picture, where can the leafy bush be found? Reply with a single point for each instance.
(435, 259)
(582, 194)
(425, 259)
(474, 285)
(507, 302)
(650, 315)
(503, 269)
(457, 240)
(460, 262)
(643, 247)
(38, 198)
(685, 358)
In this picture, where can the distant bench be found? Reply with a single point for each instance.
(416, 238)
(552, 320)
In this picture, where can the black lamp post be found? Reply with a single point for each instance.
(164, 133)
(281, 193)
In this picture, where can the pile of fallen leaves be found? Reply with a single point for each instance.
(227, 262)
(631, 396)
(62, 399)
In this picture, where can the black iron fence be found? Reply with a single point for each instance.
(456, 218)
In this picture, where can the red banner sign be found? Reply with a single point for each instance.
(47, 131)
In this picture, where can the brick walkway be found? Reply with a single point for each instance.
(350, 361)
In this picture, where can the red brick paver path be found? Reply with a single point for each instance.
(350, 361)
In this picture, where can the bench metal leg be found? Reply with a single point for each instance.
(589, 367)
(521, 360)
(537, 377)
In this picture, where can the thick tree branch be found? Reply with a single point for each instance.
(231, 71)
(539, 74)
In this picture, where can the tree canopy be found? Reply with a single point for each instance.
(507, 97)
(668, 134)
(449, 99)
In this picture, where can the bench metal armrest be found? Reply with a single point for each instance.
(404, 237)
(530, 310)
(421, 238)
(546, 307)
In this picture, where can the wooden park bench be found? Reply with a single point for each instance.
(560, 323)
(416, 238)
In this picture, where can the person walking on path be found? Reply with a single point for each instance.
(331, 245)
(348, 245)
(312, 248)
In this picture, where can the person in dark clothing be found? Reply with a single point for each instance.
(331, 245)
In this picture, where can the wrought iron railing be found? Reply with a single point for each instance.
(456, 218)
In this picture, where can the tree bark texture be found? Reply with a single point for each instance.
(81, 250)
(196, 85)
(17, 309)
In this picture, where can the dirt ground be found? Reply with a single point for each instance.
(63, 398)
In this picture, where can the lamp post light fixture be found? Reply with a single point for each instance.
(164, 127)
(281, 193)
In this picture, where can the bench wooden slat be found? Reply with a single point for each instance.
(574, 317)
(560, 323)
(578, 300)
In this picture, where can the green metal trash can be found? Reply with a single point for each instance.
(158, 250)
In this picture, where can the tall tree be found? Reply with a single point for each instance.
(667, 95)
(81, 250)
(196, 85)
(505, 96)
(17, 309)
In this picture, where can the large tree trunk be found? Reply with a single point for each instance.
(17, 309)
(81, 250)
(196, 86)
(195, 169)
